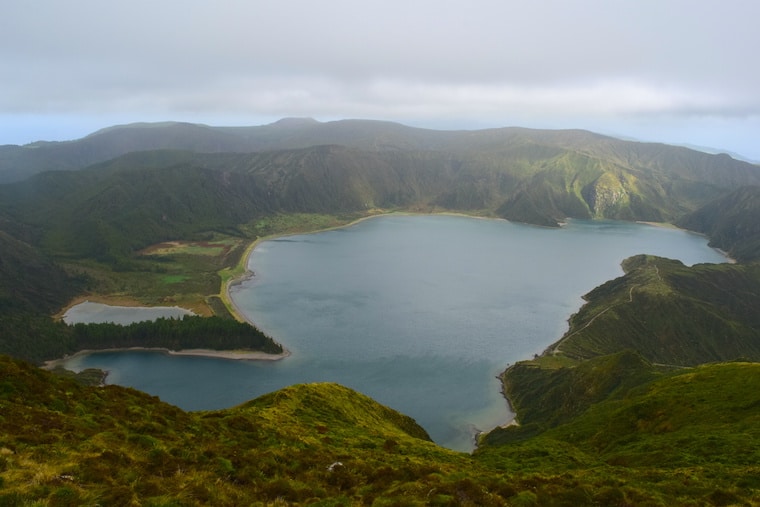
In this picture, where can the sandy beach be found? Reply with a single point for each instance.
(236, 355)
(127, 302)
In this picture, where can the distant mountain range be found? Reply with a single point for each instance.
(175, 179)
(20, 162)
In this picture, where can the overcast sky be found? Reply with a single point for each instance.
(662, 70)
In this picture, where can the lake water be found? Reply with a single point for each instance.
(419, 312)
(88, 313)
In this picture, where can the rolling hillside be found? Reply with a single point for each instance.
(731, 222)
(694, 315)
(660, 317)
(31, 281)
(66, 444)
(20, 162)
(121, 205)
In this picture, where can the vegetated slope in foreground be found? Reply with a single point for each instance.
(670, 314)
(69, 444)
(659, 316)
(62, 443)
(627, 383)
(672, 433)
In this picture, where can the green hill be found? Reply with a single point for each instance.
(117, 446)
(30, 281)
(114, 208)
(108, 214)
(732, 223)
(637, 384)
(688, 438)
(670, 314)
(660, 317)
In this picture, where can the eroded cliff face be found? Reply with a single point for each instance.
(606, 196)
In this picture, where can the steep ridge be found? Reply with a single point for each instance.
(660, 317)
(732, 223)
(694, 315)
(29, 280)
(113, 208)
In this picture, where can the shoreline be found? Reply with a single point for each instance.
(233, 355)
(84, 299)
(237, 275)
(668, 225)
(245, 274)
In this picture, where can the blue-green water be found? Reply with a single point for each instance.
(419, 312)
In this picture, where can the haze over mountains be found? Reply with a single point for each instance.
(202, 177)
(19, 162)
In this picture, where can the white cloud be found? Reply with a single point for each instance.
(423, 61)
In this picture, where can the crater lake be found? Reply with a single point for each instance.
(419, 312)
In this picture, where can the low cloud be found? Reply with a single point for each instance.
(486, 61)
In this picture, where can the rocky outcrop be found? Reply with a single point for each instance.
(606, 196)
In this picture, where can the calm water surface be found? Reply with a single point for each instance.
(88, 312)
(419, 312)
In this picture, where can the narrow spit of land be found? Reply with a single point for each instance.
(237, 355)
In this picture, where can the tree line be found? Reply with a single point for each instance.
(37, 338)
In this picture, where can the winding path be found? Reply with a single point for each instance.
(556, 350)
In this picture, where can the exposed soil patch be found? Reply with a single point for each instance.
(215, 249)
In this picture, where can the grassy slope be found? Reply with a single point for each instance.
(30, 280)
(688, 438)
(111, 209)
(659, 316)
(114, 446)
(732, 223)
(708, 414)
(62, 443)
(624, 389)
(671, 314)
